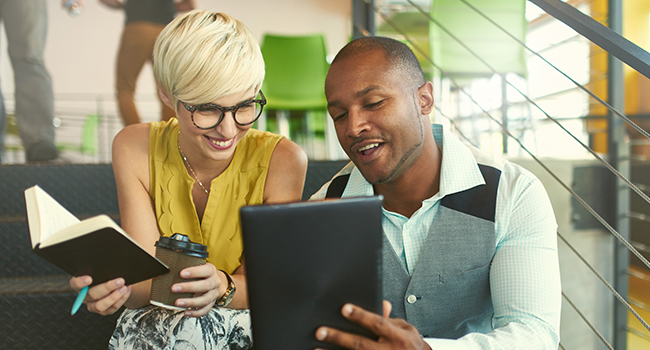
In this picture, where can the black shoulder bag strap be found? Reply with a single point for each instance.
(335, 190)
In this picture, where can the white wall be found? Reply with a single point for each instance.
(80, 52)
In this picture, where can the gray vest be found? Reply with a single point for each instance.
(448, 294)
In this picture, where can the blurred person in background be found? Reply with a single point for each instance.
(145, 19)
(25, 23)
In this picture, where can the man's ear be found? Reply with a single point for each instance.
(425, 95)
(165, 99)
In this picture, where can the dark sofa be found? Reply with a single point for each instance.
(35, 298)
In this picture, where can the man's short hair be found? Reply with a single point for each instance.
(202, 56)
(398, 55)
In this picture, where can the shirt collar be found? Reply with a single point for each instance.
(459, 170)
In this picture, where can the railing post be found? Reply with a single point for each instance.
(504, 113)
(100, 137)
(619, 153)
(363, 18)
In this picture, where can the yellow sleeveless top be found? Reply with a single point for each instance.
(242, 183)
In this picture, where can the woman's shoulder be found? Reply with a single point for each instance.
(288, 152)
(258, 145)
(263, 147)
(131, 153)
(258, 136)
(145, 137)
(286, 173)
(279, 145)
(132, 138)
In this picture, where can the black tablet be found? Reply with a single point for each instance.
(304, 261)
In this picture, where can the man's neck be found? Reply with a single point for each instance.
(420, 181)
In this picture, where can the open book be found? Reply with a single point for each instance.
(96, 246)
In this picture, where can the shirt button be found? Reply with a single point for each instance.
(411, 299)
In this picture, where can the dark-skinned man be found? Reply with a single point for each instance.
(470, 252)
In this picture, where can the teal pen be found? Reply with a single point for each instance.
(79, 300)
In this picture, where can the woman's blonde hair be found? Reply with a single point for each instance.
(202, 56)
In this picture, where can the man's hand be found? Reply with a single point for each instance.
(393, 333)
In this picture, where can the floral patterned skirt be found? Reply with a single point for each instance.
(157, 328)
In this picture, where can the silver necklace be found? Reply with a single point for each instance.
(190, 167)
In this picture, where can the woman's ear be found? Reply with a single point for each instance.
(165, 98)
(426, 98)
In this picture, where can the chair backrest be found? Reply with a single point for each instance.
(498, 49)
(89, 135)
(296, 67)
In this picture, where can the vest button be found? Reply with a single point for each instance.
(411, 299)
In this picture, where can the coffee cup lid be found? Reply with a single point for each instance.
(181, 243)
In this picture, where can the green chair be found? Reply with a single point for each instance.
(296, 67)
(411, 28)
(89, 135)
(454, 22)
(15, 144)
(88, 145)
(498, 49)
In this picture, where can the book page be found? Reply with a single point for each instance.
(80, 228)
(51, 216)
(87, 226)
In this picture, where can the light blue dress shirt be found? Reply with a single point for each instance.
(524, 276)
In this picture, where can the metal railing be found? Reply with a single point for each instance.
(618, 162)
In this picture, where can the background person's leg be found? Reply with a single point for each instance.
(136, 48)
(26, 27)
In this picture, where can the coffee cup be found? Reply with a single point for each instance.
(178, 253)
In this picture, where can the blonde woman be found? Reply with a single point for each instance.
(191, 175)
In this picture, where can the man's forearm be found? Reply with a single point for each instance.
(524, 334)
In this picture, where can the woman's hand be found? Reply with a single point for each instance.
(206, 290)
(104, 299)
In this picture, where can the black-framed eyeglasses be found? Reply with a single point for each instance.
(209, 115)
